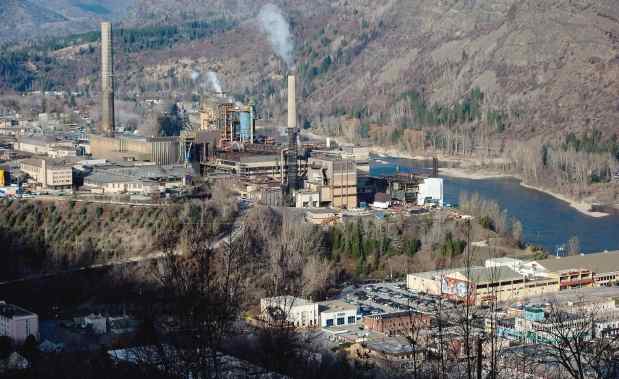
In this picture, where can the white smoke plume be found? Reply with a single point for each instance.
(275, 25)
(214, 82)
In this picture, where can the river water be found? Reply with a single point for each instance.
(547, 222)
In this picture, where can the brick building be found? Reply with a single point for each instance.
(398, 323)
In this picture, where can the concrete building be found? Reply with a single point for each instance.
(307, 199)
(49, 173)
(112, 183)
(58, 152)
(136, 179)
(334, 179)
(18, 323)
(337, 313)
(160, 150)
(35, 145)
(298, 312)
(431, 192)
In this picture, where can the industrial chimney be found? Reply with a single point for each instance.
(292, 137)
(107, 80)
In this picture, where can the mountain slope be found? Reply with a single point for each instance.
(25, 19)
(542, 67)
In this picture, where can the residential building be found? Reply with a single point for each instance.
(18, 323)
(337, 313)
(299, 312)
(48, 173)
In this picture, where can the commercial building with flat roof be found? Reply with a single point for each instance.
(599, 269)
(337, 313)
(18, 323)
(49, 173)
(478, 285)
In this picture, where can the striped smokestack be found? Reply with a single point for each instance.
(107, 80)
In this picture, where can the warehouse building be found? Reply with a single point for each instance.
(160, 150)
(479, 285)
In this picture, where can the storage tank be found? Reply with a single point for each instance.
(246, 122)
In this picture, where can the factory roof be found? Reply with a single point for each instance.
(102, 177)
(51, 163)
(10, 311)
(490, 274)
(136, 174)
(476, 274)
(258, 158)
(598, 263)
(42, 140)
(391, 346)
(335, 306)
(286, 301)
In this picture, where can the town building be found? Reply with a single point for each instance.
(397, 323)
(48, 173)
(478, 285)
(298, 312)
(337, 313)
(18, 323)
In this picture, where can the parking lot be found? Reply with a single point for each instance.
(379, 298)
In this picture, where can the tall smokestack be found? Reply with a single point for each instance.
(292, 137)
(292, 103)
(107, 80)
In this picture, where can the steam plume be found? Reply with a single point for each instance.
(275, 25)
(214, 82)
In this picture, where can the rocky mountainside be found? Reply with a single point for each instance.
(539, 66)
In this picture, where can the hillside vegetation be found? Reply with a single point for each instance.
(38, 237)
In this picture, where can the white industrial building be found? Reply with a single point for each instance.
(337, 313)
(431, 192)
(306, 314)
(299, 312)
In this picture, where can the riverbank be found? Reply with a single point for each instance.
(481, 174)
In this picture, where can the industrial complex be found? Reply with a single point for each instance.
(224, 144)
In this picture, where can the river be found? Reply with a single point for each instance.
(547, 221)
